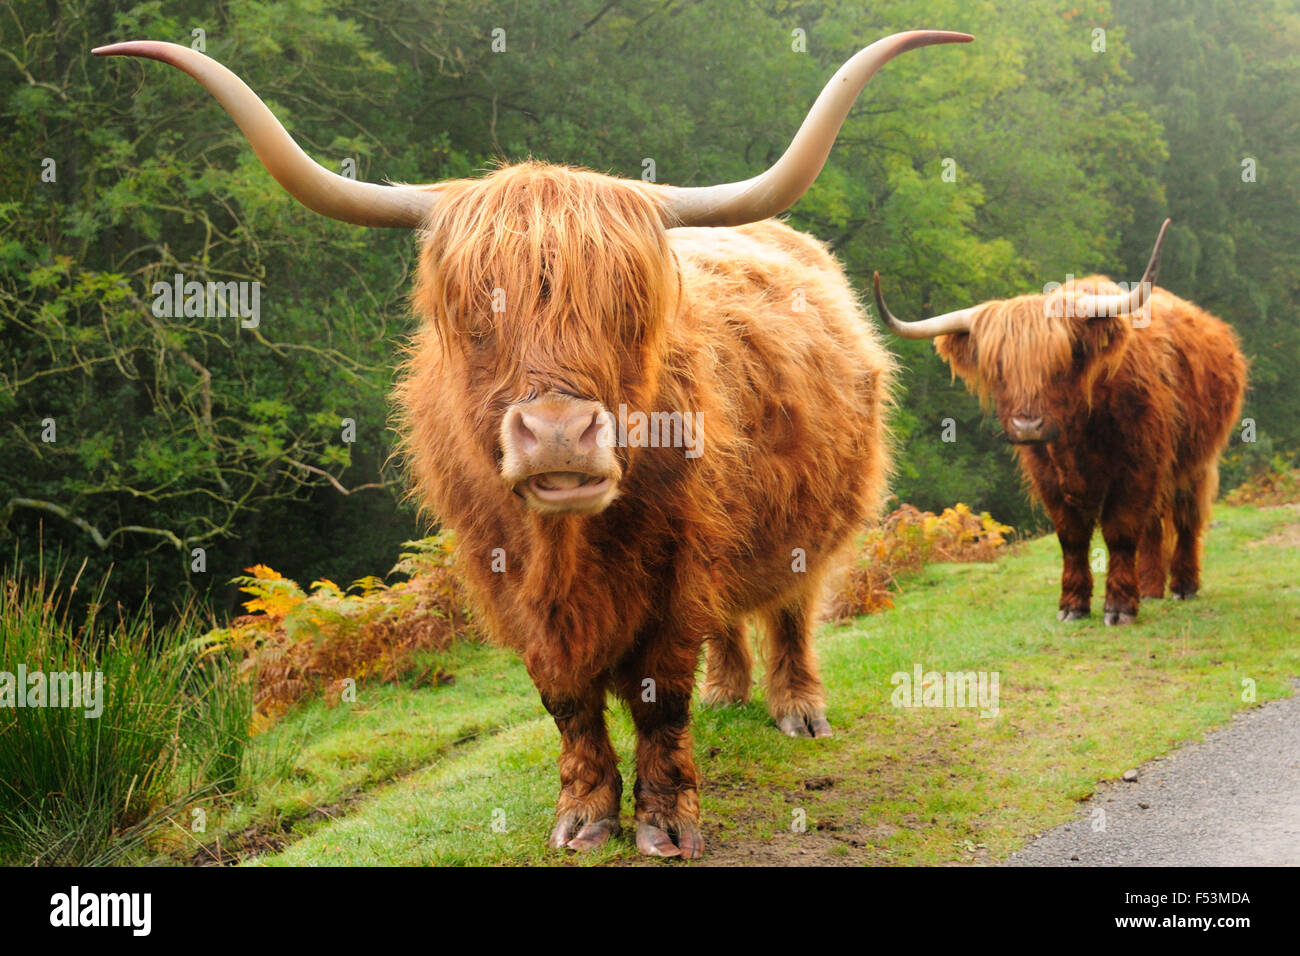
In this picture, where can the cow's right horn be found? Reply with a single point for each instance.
(1125, 303)
(777, 189)
(950, 323)
(363, 204)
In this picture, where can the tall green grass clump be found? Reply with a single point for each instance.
(172, 727)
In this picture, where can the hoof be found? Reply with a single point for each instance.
(1120, 617)
(1071, 614)
(654, 841)
(1183, 595)
(588, 836)
(795, 725)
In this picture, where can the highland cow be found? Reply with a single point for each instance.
(550, 297)
(1119, 403)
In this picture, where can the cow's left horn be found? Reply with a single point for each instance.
(950, 323)
(776, 190)
(1125, 303)
(363, 204)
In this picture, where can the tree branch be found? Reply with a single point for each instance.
(334, 481)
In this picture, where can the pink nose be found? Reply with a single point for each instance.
(1027, 424)
(557, 453)
(560, 433)
(557, 433)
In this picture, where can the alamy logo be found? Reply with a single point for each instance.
(210, 300)
(652, 430)
(56, 689)
(102, 909)
(935, 689)
(1057, 306)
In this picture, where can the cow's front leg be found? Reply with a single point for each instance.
(658, 690)
(1074, 512)
(1074, 532)
(586, 814)
(1122, 521)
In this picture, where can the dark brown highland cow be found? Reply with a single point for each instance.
(1118, 403)
(561, 312)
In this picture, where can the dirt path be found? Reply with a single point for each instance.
(1230, 800)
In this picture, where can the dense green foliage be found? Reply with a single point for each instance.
(174, 433)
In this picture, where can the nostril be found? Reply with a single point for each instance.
(587, 440)
(524, 438)
(1027, 424)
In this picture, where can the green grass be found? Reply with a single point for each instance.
(314, 763)
(466, 774)
(89, 785)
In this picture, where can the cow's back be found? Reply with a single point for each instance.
(1197, 360)
(1209, 370)
(797, 386)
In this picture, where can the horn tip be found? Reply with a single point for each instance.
(125, 48)
(1160, 238)
(919, 38)
(882, 310)
(150, 49)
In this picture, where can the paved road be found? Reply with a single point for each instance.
(1230, 800)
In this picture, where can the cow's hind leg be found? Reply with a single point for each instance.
(794, 689)
(657, 684)
(728, 673)
(1152, 569)
(590, 786)
(1191, 505)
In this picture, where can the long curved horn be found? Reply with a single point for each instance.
(776, 190)
(363, 204)
(950, 323)
(1125, 303)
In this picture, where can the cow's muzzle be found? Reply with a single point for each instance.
(1030, 430)
(557, 454)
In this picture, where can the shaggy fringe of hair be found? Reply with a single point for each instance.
(1021, 342)
(582, 255)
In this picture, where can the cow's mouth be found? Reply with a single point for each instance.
(1044, 437)
(568, 488)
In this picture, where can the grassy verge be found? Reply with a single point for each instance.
(108, 725)
(466, 774)
(314, 765)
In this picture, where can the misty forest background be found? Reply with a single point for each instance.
(173, 434)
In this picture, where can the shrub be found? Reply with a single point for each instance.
(294, 642)
(905, 541)
(1278, 484)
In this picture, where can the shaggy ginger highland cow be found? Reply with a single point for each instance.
(1119, 404)
(560, 311)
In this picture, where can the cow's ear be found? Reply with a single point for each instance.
(1103, 335)
(959, 352)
